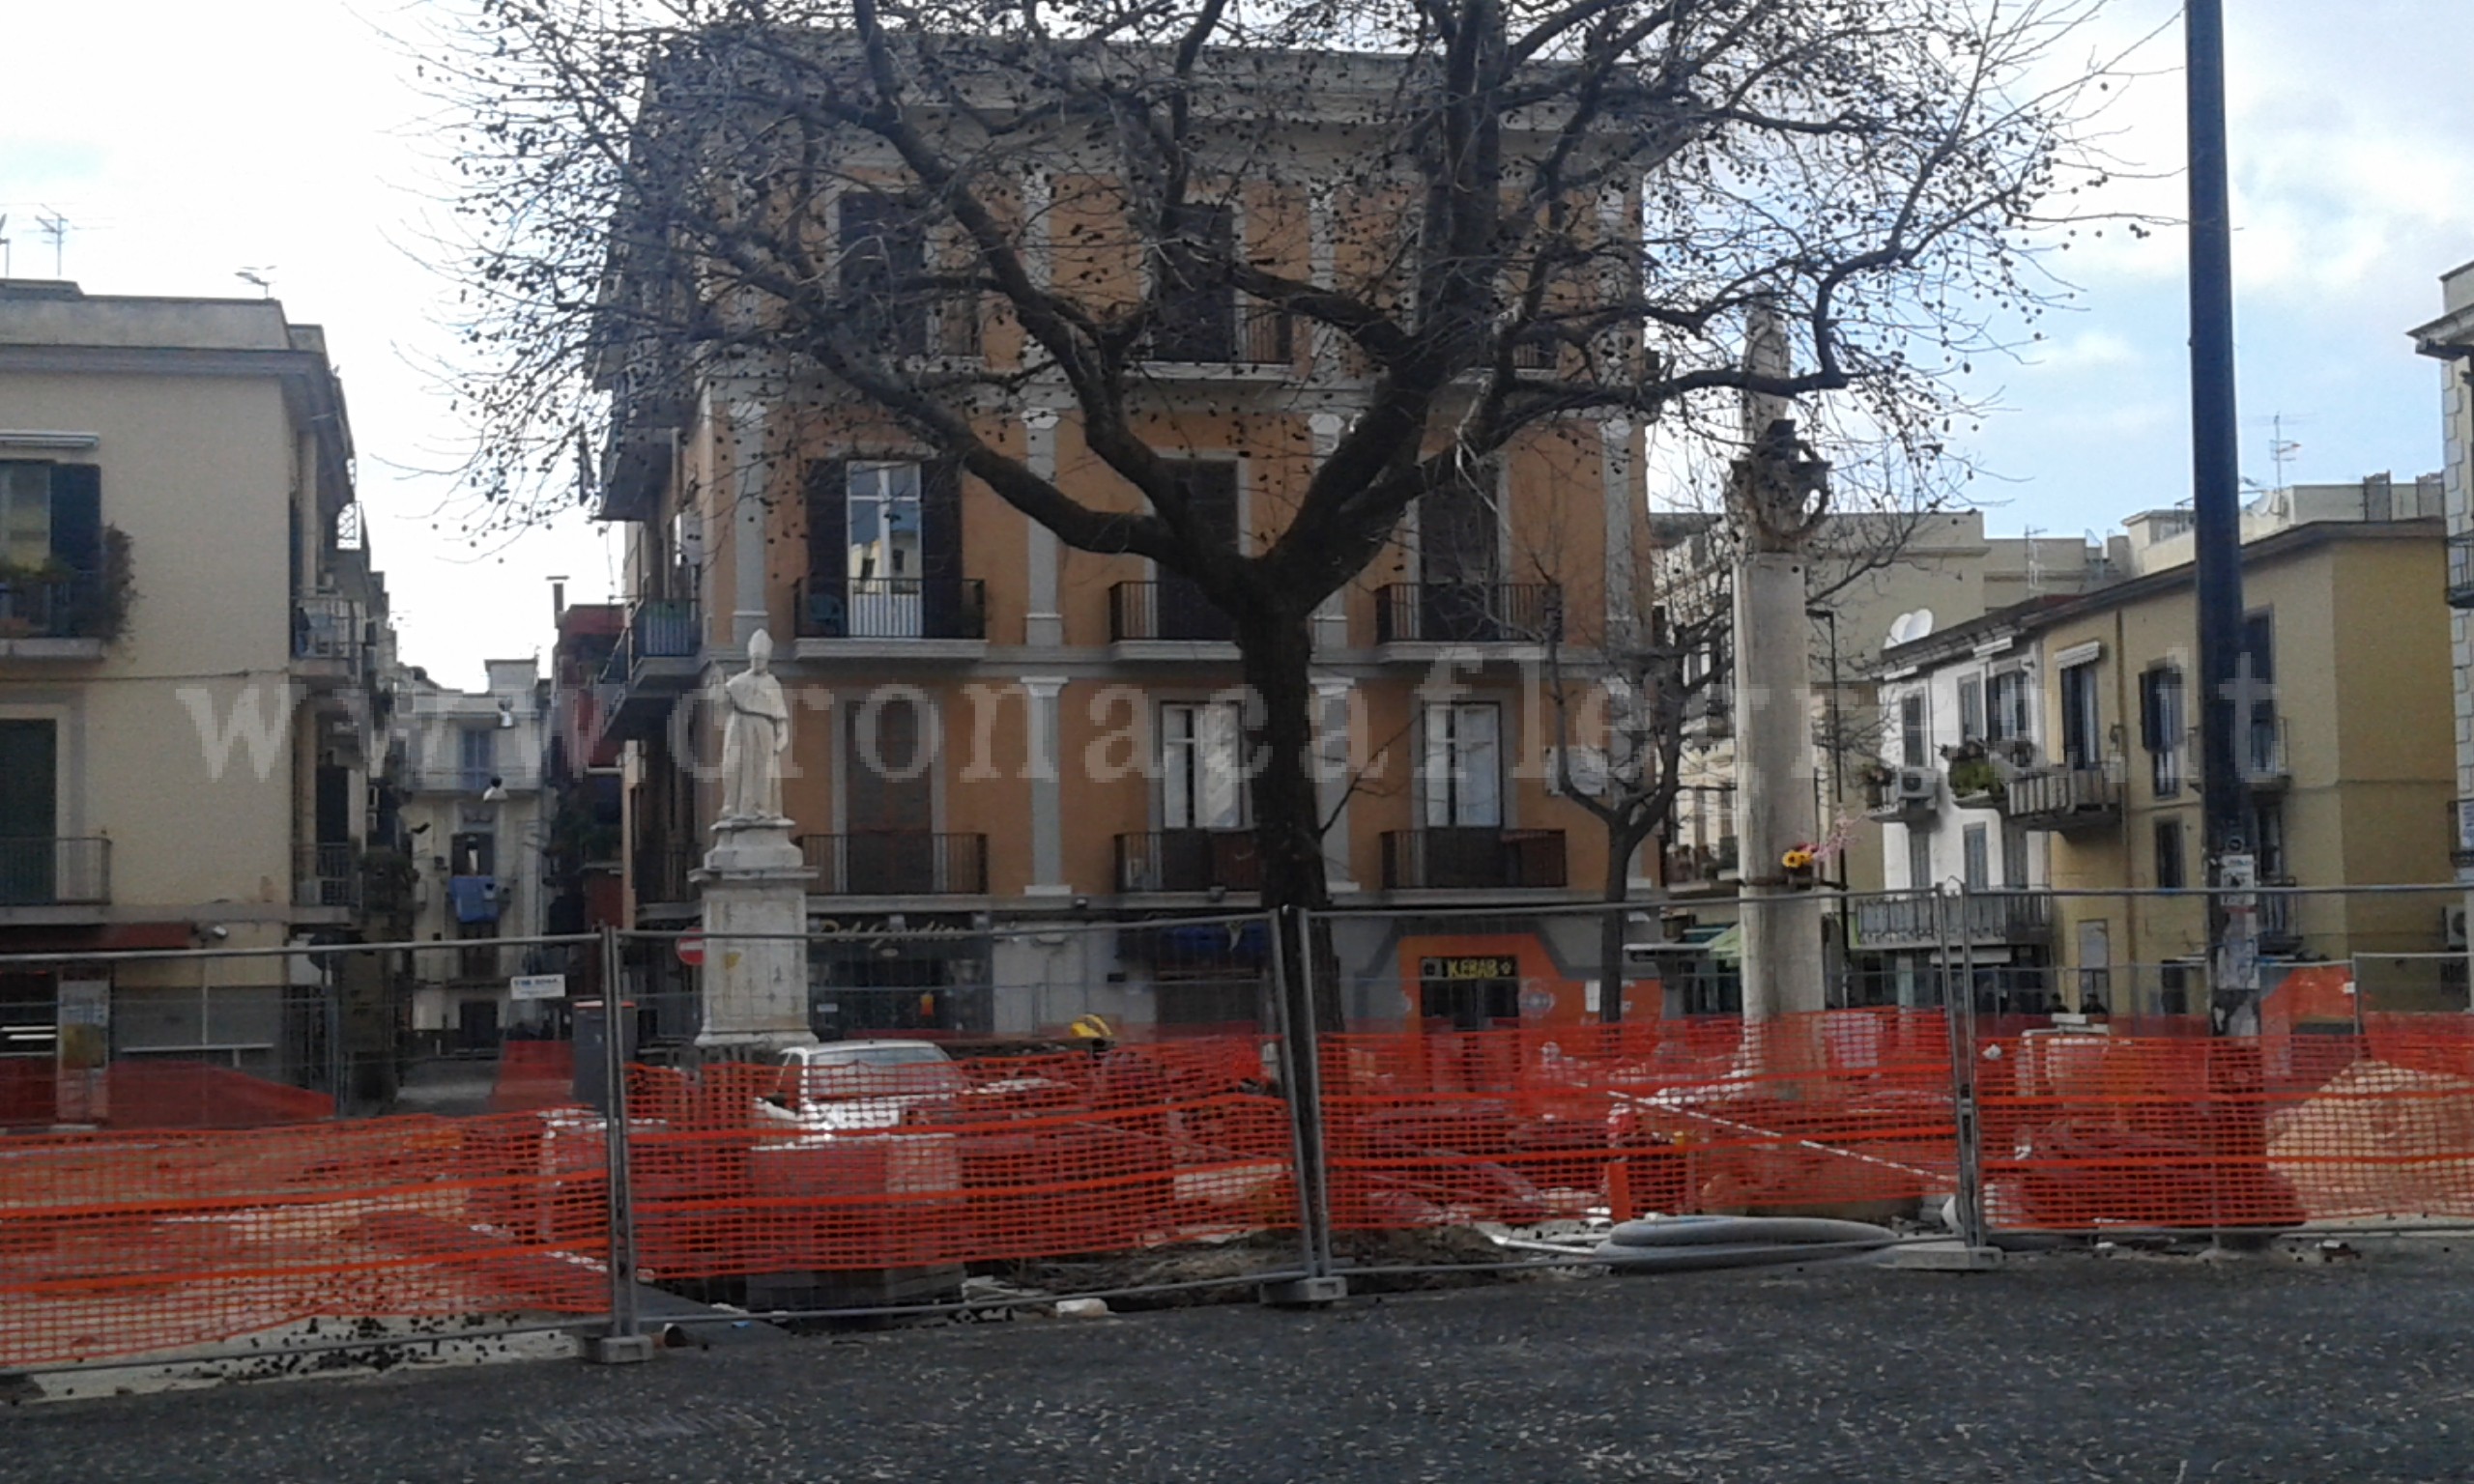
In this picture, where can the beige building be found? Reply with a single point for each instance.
(188, 630)
(1870, 574)
(2076, 770)
(475, 821)
(2450, 340)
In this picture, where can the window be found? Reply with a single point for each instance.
(885, 552)
(1198, 308)
(1202, 755)
(882, 551)
(884, 255)
(473, 853)
(1971, 708)
(51, 516)
(1979, 865)
(1919, 858)
(476, 755)
(2267, 838)
(1462, 781)
(2081, 739)
(29, 812)
(2169, 853)
(25, 514)
(2174, 989)
(2005, 699)
(2162, 728)
(2261, 752)
(1913, 743)
(2014, 857)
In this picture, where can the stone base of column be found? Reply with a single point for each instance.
(754, 886)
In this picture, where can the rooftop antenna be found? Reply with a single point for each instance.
(2280, 448)
(258, 277)
(56, 227)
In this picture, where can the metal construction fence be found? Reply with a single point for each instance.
(1066, 1105)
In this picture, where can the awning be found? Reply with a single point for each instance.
(98, 938)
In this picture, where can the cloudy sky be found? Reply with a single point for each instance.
(184, 143)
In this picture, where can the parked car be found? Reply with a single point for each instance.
(857, 1086)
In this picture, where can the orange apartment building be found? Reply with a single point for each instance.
(994, 731)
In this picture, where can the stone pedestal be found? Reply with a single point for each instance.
(754, 988)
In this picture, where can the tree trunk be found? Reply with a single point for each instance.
(1289, 817)
(1611, 923)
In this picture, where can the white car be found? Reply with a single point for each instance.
(860, 1086)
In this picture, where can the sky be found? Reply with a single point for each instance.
(187, 143)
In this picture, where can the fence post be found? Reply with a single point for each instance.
(625, 1342)
(1958, 1013)
(1302, 1080)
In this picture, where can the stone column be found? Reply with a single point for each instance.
(1042, 739)
(754, 988)
(1042, 625)
(1332, 778)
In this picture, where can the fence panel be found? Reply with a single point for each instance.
(119, 1245)
(1841, 1110)
(744, 1170)
(2094, 1131)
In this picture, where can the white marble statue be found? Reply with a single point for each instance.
(754, 739)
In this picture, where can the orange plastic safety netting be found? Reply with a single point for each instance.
(1847, 1110)
(2101, 1132)
(744, 1170)
(118, 1245)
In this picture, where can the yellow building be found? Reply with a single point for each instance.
(2344, 736)
(188, 631)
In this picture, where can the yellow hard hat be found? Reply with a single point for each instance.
(1092, 1028)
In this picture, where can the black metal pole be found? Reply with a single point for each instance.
(2217, 511)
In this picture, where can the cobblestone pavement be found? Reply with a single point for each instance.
(2066, 1367)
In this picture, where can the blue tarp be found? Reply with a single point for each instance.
(475, 898)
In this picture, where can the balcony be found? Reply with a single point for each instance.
(653, 662)
(327, 874)
(520, 778)
(49, 871)
(897, 863)
(1702, 869)
(1212, 340)
(893, 617)
(1188, 861)
(2263, 753)
(52, 615)
(1472, 858)
(2279, 921)
(1906, 920)
(1441, 614)
(2460, 833)
(2065, 799)
(2460, 569)
(1168, 611)
(326, 640)
(1903, 795)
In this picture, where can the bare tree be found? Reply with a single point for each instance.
(1550, 209)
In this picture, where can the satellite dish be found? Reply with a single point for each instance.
(1909, 627)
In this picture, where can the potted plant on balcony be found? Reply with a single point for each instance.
(1876, 777)
(1975, 779)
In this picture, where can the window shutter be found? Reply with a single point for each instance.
(827, 495)
(941, 555)
(77, 516)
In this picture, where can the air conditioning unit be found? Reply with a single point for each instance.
(2452, 926)
(1918, 785)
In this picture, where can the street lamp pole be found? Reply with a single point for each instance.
(2217, 520)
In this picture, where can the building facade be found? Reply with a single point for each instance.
(2092, 754)
(993, 730)
(190, 644)
(2450, 341)
(476, 826)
